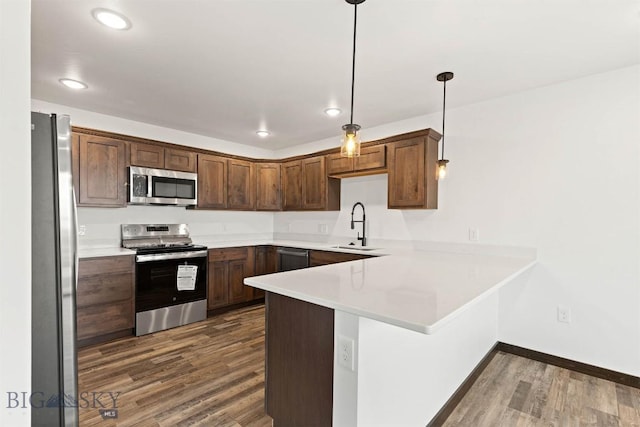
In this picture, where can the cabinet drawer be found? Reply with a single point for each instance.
(227, 254)
(104, 319)
(105, 288)
(326, 257)
(105, 265)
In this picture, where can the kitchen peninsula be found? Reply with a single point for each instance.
(380, 341)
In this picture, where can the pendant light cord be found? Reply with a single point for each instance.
(353, 60)
(444, 101)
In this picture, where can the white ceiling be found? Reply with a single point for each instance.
(225, 68)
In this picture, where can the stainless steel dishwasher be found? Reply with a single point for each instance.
(292, 258)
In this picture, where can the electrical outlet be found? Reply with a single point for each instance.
(82, 230)
(564, 314)
(345, 352)
(474, 234)
(323, 228)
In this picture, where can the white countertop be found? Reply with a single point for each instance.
(92, 252)
(419, 290)
(102, 252)
(416, 290)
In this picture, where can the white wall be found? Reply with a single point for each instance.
(554, 168)
(15, 207)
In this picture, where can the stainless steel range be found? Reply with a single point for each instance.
(171, 276)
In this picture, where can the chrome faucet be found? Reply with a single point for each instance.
(363, 238)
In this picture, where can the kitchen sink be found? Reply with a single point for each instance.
(354, 248)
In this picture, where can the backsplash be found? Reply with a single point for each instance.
(102, 225)
(382, 224)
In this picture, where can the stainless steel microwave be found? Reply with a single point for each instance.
(162, 187)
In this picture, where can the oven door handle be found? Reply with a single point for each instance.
(174, 255)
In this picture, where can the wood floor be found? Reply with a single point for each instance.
(212, 374)
(209, 373)
(514, 391)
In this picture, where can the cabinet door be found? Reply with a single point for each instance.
(291, 185)
(102, 180)
(180, 160)
(268, 187)
(314, 183)
(212, 181)
(407, 174)
(147, 155)
(241, 185)
(104, 297)
(218, 285)
(337, 164)
(260, 268)
(238, 292)
(371, 158)
(265, 263)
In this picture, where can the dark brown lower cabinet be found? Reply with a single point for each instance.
(105, 298)
(299, 362)
(228, 268)
(317, 258)
(266, 263)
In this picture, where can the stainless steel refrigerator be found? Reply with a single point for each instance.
(54, 383)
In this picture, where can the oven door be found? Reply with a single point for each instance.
(167, 279)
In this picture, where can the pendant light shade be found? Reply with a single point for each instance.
(442, 162)
(350, 141)
(350, 146)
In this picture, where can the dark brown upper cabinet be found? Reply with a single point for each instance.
(372, 160)
(180, 160)
(212, 182)
(99, 171)
(225, 183)
(147, 155)
(412, 172)
(158, 157)
(306, 186)
(268, 177)
(241, 190)
(292, 185)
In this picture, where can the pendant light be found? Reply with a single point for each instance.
(442, 163)
(351, 141)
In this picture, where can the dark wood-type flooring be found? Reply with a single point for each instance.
(211, 373)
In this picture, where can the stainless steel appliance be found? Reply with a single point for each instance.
(162, 187)
(53, 274)
(292, 258)
(171, 276)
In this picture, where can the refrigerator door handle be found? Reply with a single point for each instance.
(75, 240)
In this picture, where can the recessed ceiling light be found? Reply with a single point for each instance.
(332, 111)
(73, 84)
(263, 133)
(111, 19)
